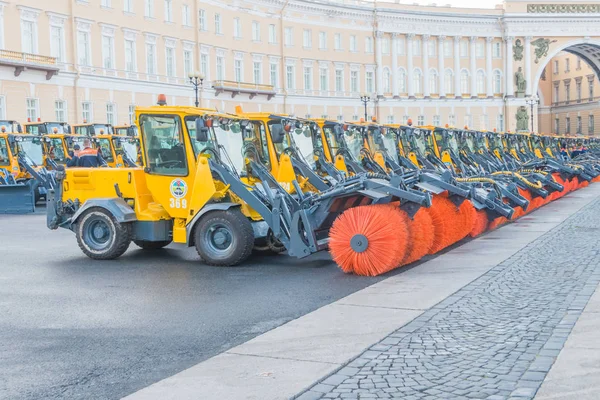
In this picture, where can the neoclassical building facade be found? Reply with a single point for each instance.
(95, 60)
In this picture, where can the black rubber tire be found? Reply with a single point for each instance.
(118, 235)
(240, 235)
(149, 245)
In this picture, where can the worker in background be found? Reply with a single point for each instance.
(74, 156)
(90, 157)
(563, 151)
(577, 151)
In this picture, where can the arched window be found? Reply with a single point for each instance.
(433, 81)
(402, 80)
(497, 82)
(417, 80)
(464, 81)
(386, 81)
(449, 81)
(480, 82)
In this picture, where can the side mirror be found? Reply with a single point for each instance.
(201, 130)
(131, 130)
(277, 133)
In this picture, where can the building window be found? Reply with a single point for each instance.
(591, 88)
(110, 113)
(29, 36)
(578, 91)
(451, 119)
(272, 34)
(497, 82)
(385, 45)
(255, 31)
(420, 120)
(237, 28)
(308, 78)
(339, 80)
(578, 63)
(187, 63)
(169, 10)
(400, 44)
(500, 123)
(131, 114)
(83, 48)
(390, 119)
(220, 68)
(340, 118)
(322, 41)
(464, 48)
(257, 72)
(567, 65)
(449, 81)
(202, 20)
(33, 107)
(218, 29)
(108, 52)
(464, 82)
(151, 58)
(416, 46)
(568, 125)
(354, 82)
(273, 74)
(480, 80)
(479, 52)
(417, 80)
(433, 81)
(130, 57)
(387, 87)
(237, 70)
(105, 3)
(447, 48)
(556, 125)
(402, 80)
(128, 6)
(204, 65)
(567, 92)
(555, 92)
(290, 76)
(324, 79)
(555, 67)
(497, 50)
(436, 120)
(149, 9)
(289, 36)
(185, 15)
(405, 119)
(353, 46)
(307, 39)
(579, 127)
(337, 41)
(86, 111)
(368, 44)
(431, 48)
(369, 82)
(57, 37)
(60, 110)
(591, 124)
(170, 61)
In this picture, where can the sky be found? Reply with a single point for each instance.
(459, 3)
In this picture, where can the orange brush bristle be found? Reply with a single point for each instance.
(496, 222)
(421, 236)
(444, 217)
(518, 213)
(536, 203)
(467, 214)
(480, 223)
(369, 240)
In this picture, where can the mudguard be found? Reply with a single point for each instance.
(119, 209)
(207, 208)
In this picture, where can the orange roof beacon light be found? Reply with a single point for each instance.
(446, 126)
(373, 119)
(466, 127)
(409, 122)
(162, 100)
(362, 120)
(39, 119)
(494, 130)
(28, 119)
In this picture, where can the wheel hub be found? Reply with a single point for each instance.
(220, 238)
(359, 243)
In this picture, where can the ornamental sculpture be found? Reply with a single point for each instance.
(522, 118)
(541, 48)
(518, 50)
(520, 81)
(563, 8)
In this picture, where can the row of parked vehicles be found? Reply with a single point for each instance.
(377, 196)
(31, 153)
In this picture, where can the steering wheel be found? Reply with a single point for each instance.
(169, 164)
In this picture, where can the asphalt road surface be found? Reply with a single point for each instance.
(73, 328)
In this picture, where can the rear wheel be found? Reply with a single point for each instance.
(224, 238)
(150, 245)
(100, 236)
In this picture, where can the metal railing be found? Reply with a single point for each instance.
(586, 100)
(27, 58)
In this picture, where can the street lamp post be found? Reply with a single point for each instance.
(196, 79)
(365, 98)
(532, 101)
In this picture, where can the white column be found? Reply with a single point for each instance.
(441, 73)
(457, 92)
(509, 86)
(528, 66)
(473, 65)
(426, 89)
(379, 62)
(395, 89)
(409, 64)
(488, 67)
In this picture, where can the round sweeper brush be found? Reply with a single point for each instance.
(467, 214)
(421, 236)
(444, 217)
(584, 184)
(480, 223)
(518, 213)
(369, 240)
(536, 203)
(496, 222)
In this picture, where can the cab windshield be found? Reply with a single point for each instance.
(354, 140)
(32, 149)
(299, 137)
(419, 142)
(103, 145)
(388, 142)
(451, 141)
(56, 150)
(468, 141)
(4, 160)
(74, 139)
(229, 136)
(164, 144)
(9, 126)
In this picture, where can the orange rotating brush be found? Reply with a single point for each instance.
(480, 223)
(421, 236)
(369, 240)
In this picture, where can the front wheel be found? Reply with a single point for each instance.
(150, 245)
(100, 236)
(224, 238)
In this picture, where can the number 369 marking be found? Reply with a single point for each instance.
(178, 203)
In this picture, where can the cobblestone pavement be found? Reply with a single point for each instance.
(496, 338)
